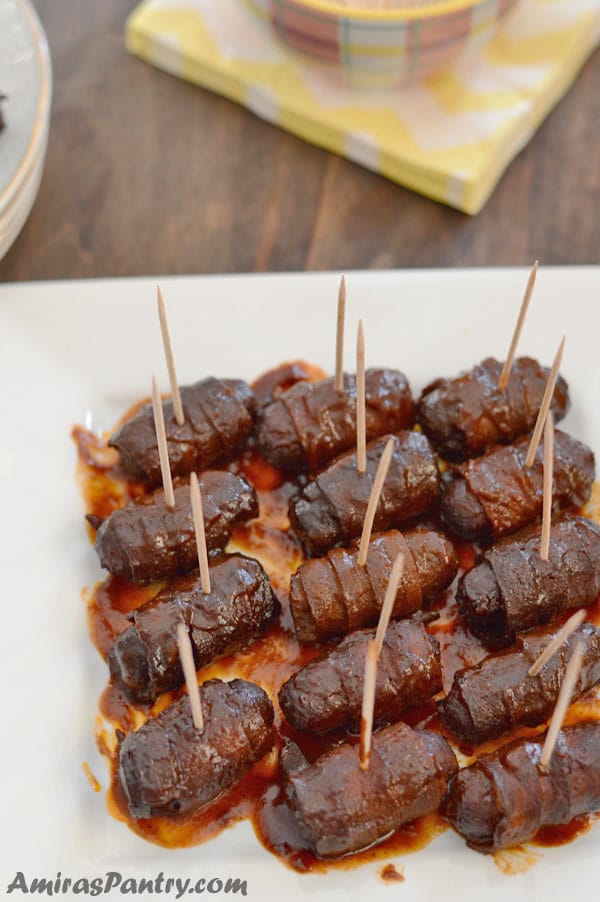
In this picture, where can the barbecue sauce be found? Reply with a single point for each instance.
(561, 834)
(269, 661)
(390, 874)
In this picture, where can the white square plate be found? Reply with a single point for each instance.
(83, 352)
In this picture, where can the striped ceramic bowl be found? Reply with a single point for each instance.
(381, 47)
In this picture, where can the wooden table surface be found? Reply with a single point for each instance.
(147, 174)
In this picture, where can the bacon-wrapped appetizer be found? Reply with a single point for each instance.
(311, 423)
(341, 808)
(330, 510)
(219, 415)
(468, 414)
(333, 595)
(169, 767)
(503, 799)
(498, 694)
(145, 541)
(327, 693)
(494, 495)
(512, 589)
(145, 659)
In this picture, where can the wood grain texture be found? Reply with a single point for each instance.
(146, 174)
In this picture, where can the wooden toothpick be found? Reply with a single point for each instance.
(388, 601)
(163, 450)
(361, 424)
(368, 705)
(548, 482)
(564, 700)
(339, 339)
(504, 375)
(197, 513)
(545, 405)
(164, 328)
(567, 629)
(382, 469)
(189, 671)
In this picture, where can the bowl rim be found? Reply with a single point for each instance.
(8, 191)
(432, 11)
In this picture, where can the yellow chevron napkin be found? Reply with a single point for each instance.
(450, 137)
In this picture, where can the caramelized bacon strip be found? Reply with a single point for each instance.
(145, 541)
(327, 694)
(503, 799)
(341, 808)
(512, 589)
(219, 415)
(466, 415)
(311, 423)
(167, 767)
(494, 495)
(331, 509)
(499, 694)
(333, 595)
(238, 609)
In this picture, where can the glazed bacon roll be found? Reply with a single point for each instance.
(496, 494)
(311, 423)
(503, 799)
(341, 808)
(144, 659)
(512, 589)
(168, 767)
(498, 694)
(218, 417)
(466, 415)
(327, 693)
(330, 510)
(333, 595)
(145, 541)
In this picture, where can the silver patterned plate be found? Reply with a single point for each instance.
(26, 82)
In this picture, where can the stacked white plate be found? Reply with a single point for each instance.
(26, 82)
